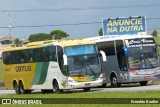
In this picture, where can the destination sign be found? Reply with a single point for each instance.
(140, 42)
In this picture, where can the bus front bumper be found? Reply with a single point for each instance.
(144, 77)
(74, 85)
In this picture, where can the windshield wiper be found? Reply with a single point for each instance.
(150, 62)
(144, 61)
(91, 69)
(85, 65)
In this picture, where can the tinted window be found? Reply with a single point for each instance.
(120, 55)
(60, 56)
(107, 47)
(29, 55)
(37, 54)
(52, 53)
(33, 55)
(6, 58)
(14, 57)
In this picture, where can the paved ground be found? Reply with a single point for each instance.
(124, 88)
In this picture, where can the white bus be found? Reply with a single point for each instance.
(52, 65)
(130, 59)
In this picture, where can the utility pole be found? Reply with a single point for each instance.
(9, 26)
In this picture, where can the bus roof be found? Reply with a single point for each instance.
(63, 43)
(116, 37)
(75, 42)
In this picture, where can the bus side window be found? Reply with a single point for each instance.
(107, 47)
(29, 56)
(14, 57)
(37, 55)
(21, 56)
(60, 56)
(60, 60)
(18, 55)
(52, 53)
(120, 55)
(6, 58)
(45, 54)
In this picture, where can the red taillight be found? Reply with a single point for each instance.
(131, 70)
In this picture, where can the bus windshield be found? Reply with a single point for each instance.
(142, 55)
(82, 60)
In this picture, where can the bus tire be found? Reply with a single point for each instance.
(143, 83)
(56, 87)
(104, 85)
(27, 91)
(16, 87)
(114, 82)
(86, 89)
(21, 88)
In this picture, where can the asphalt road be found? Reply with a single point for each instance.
(124, 88)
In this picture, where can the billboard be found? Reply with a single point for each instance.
(124, 26)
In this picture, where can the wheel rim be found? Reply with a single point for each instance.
(114, 80)
(16, 88)
(56, 87)
(21, 88)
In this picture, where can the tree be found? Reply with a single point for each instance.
(154, 33)
(59, 34)
(101, 32)
(17, 42)
(39, 37)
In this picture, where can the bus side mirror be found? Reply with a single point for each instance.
(104, 58)
(65, 59)
(126, 52)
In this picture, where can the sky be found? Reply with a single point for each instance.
(68, 15)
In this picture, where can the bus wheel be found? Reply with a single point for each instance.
(86, 89)
(143, 83)
(104, 85)
(28, 91)
(16, 88)
(56, 87)
(21, 87)
(114, 82)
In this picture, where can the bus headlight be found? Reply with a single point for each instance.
(102, 76)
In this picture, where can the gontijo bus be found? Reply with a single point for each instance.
(52, 65)
(130, 59)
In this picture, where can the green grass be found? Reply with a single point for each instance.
(149, 94)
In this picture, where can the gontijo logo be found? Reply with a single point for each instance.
(124, 26)
(22, 68)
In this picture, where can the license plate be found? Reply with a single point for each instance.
(146, 77)
(87, 84)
